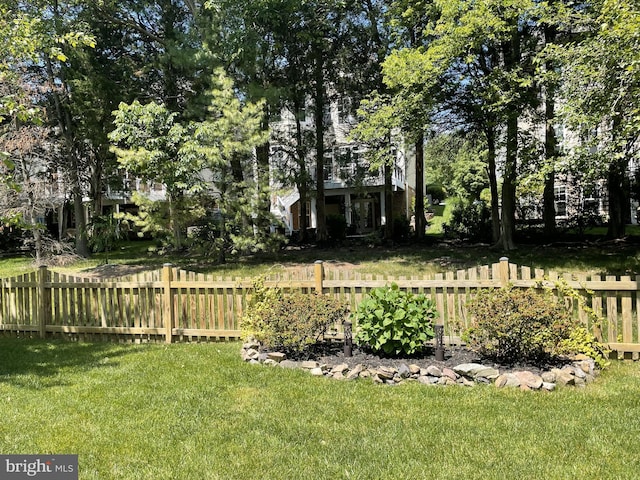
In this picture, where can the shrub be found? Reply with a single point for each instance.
(401, 229)
(437, 192)
(289, 322)
(511, 325)
(393, 322)
(336, 226)
(470, 221)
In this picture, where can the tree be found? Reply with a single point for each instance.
(600, 92)
(151, 142)
(482, 50)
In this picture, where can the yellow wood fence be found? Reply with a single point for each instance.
(171, 304)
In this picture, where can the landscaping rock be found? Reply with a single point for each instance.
(386, 373)
(548, 377)
(529, 379)
(578, 371)
(507, 380)
(276, 356)
(468, 369)
(355, 372)
(403, 371)
(288, 364)
(433, 371)
(447, 372)
(343, 367)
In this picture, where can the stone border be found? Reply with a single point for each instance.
(579, 372)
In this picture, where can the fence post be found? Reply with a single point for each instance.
(44, 310)
(318, 273)
(167, 303)
(504, 271)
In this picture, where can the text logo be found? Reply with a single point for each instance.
(49, 467)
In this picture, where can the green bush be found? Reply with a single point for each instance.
(336, 227)
(437, 192)
(289, 322)
(512, 325)
(393, 322)
(469, 221)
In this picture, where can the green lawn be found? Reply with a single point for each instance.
(602, 258)
(195, 411)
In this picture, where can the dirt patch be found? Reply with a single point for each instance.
(111, 270)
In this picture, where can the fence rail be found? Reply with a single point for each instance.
(171, 304)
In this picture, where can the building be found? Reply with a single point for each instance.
(352, 190)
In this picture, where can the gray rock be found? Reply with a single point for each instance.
(549, 386)
(269, 361)
(414, 369)
(468, 369)
(428, 380)
(251, 344)
(288, 364)
(403, 371)
(317, 372)
(263, 357)
(579, 373)
(338, 375)
(433, 371)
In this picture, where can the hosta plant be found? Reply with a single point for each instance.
(393, 322)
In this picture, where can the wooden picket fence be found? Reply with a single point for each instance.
(171, 304)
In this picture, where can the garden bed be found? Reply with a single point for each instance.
(461, 366)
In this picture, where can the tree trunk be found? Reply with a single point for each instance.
(511, 51)
(617, 201)
(550, 146)
(82, 245)
(388, 200)
(493, 184)
(420, 221)
(321, 225)
(303, 179)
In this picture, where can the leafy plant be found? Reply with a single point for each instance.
(469, 221)
(394, 321)
(511, 325)
(290, 322)
(580, 340)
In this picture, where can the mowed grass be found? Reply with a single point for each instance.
(195, 411)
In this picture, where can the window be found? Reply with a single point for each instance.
(560, 198)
